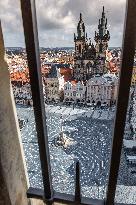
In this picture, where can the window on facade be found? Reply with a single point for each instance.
(79, 48)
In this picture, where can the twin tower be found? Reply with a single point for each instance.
(89, 58)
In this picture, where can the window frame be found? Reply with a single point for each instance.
(32, 49)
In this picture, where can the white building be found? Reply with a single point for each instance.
(102, 90)
(74, 92)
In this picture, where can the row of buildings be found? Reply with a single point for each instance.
(89, 81)
(87, 75)
(99, 90)
(73, 77)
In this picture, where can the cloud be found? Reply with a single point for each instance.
(57, 20)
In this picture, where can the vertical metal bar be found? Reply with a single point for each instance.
(32, 49)
(77, 185)
(123, 97)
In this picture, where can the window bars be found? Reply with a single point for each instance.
(32, 49)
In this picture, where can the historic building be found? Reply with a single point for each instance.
(102, 90)
(99, 90)
(74, 92)
(90, 83)
(90, 59)
(22, 93)
(54, 85)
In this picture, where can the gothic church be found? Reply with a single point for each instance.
(90, 59)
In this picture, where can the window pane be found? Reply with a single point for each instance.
(126, 185)
(80, 79)
(80, 89)
(24, 104)
(17, 61)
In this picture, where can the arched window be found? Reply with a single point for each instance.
(79, 48)
(100, 47)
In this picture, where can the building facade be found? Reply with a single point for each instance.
(102, 90)
(22, 93)
(99, 91)
(74, 92)
(90, 59)
(53, 86)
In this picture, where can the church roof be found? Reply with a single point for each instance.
(53, 72)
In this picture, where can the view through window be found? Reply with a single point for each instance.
(125, 190)
(80, 53)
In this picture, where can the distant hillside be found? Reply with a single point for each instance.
(17, 50)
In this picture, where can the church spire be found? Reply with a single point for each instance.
(80, 28)
(102, 36)
(80, 16)
(103, 13)
(81, 38)
(102, 28)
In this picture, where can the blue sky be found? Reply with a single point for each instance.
(57, 20)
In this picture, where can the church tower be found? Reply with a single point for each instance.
(102, 37)
(80, 39)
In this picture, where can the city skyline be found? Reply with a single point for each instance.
(57, 25)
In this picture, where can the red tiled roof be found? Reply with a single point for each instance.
(67, 73)
(74, 82)
(20, 75)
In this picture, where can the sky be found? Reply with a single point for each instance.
(58, 19)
